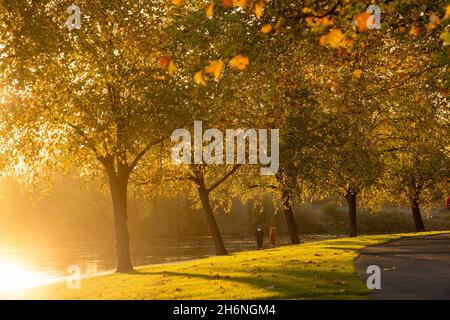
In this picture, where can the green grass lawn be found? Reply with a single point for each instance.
(317, 270)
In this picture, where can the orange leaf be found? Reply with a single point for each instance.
(209, 11)
(177, 2)
(434, 22)
(414, 31)
(323, 40)
(240, 3)
(333, 38)
(361, 21)
(348, 43)
(164, 62)
(258, 8)
(227, 4)
(447, 12)
(215, 68)
(239, 62)
(325, 21)
(266, 28)
(310, 21)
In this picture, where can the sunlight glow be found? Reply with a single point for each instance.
(15, 276)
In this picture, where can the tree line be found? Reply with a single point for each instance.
(362, 113)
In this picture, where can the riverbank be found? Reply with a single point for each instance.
(316, 270)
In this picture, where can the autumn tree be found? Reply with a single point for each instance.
(99, 88)
(213, 55)
(418, 159)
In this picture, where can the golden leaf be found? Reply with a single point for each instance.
(239, 62)
(172, 68)
(434, 22)
(258, 8)
(266, 28)
(209, 11)
(177, 2)
(325, 21)
(199, 79)
(357, 73)
(414, 31)
(333, 38)
(215, 68)
(240, 3)
(310, 21)
(323, 40)
(447, 12)
(445, 36)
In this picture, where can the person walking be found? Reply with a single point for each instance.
(259, 234)
(273, 236)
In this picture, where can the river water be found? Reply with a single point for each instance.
(23, 267)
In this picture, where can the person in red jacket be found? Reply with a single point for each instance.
(273, 236)
(447, 203)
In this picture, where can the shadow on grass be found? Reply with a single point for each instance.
(287, 283)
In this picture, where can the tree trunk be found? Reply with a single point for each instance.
(351, 200)
(213, 227)
(290, 219)
(118, 183)
(418, 222)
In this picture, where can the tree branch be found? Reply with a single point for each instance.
(142, 153)
(88, 142)
(270, 186)
(407, 79)
(223, 178)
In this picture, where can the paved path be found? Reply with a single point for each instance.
(411, 268)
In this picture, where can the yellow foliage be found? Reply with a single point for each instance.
(239, 62)
(445, 36)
